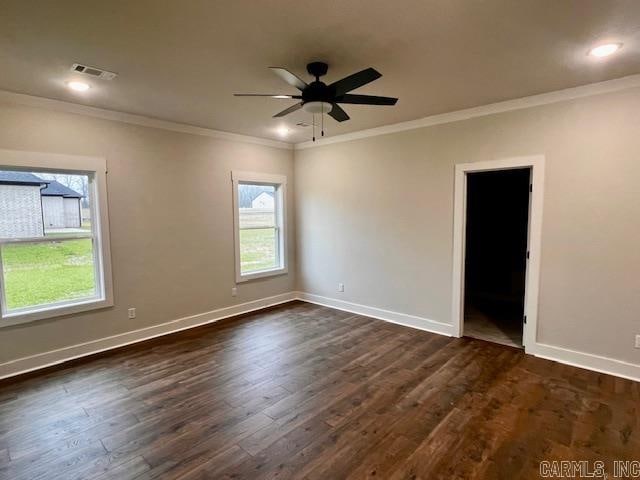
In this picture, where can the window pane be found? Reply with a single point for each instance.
(38, 204)
(258, 249)
(65, 205)
(42, 273)
(257, 205)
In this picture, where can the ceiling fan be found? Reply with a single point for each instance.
(318, 97)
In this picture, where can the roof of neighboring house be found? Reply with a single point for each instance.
(248, 193)
(51, 188)
(270, 194)
(20, 178)
(56, 189)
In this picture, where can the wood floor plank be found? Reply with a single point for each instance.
(303, 391)
(233, 455)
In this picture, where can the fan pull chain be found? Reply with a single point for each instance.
(313, 121)
(322, 122)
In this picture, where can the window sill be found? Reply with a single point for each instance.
(261, 274)
(48, 312)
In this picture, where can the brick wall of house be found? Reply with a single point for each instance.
(20, 211)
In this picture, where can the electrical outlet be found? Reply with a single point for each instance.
(637, 341)
(341, 287)
(234, 291)
(132, 313)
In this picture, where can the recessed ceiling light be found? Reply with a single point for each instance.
(283, 131)
(605, 50)
(78, 86)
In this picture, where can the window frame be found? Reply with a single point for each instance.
(280, 183)
(96, 169)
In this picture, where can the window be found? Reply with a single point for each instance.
(260, 224)
(53, 240)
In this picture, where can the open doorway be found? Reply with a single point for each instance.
(495, 262)
(534, 164)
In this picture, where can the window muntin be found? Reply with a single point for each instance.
(52, 246)
(259, 205)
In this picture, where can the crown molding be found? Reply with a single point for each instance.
(68, 107)
(493, 108)
(592, 89)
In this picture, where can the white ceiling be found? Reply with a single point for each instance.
(181, 60)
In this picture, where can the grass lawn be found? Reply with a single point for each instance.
(41, 273)
(257, 249)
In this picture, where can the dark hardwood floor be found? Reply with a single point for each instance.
(302, 391)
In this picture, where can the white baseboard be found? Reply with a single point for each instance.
(394, 317)
(574, 358)
(588, 361)
(61, 355)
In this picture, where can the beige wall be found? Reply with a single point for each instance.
(171, 222)
(377, 215)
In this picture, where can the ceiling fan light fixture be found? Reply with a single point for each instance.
(317, 107)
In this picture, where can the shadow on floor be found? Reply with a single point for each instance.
(493, 324)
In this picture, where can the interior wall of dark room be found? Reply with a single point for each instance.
(496, 245)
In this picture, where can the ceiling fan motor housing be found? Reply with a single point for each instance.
(317, 97)
(316, 92)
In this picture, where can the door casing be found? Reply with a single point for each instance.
(534, 232)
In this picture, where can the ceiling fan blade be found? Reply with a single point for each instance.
(287, 111)
(354, 81)
(289, 77)
(272, 95)
(366, 99)
(338, 113)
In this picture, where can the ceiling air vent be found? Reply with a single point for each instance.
(93, 71)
